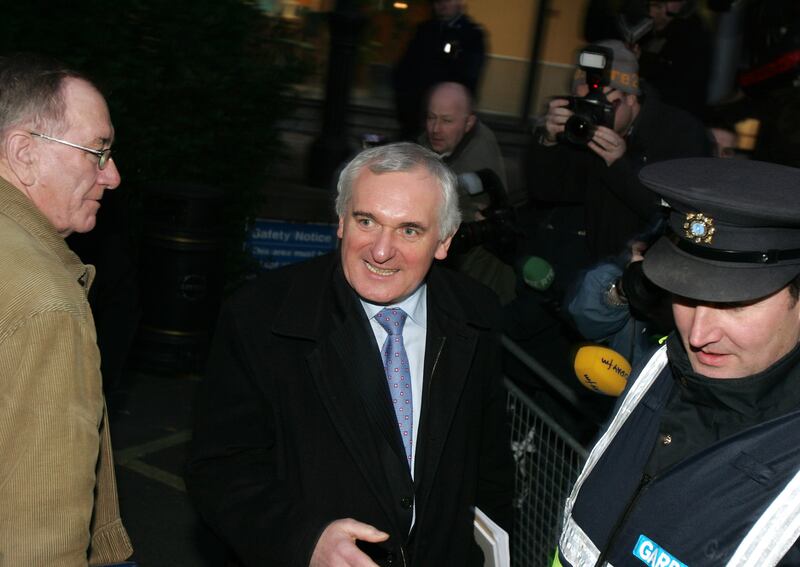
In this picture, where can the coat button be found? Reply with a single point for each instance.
(390, 559)
(405, 502)
(666, 438)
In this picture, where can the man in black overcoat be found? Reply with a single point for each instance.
(301, 455)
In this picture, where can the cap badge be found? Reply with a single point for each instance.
(699, 228)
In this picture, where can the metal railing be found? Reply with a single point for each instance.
(548, 461)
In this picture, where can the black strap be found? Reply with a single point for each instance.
(735, 256)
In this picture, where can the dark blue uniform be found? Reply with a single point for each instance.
(636, 506)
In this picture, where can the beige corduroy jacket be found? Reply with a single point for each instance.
(58, 497)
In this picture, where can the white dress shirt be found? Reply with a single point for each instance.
(414, 332)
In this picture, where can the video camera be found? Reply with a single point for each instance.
(498, 231)
(592, 110)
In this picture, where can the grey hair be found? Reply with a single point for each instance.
(31, 93)
(404, 157)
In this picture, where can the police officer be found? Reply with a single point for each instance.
(448, 47)
(700, 464)
(589, 199)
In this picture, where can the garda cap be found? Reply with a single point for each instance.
(734, 228)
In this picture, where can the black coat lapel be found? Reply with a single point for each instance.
(344, 405)
(363, 374)
(450, 347)
(347, 370)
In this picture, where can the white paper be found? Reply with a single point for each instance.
(493, 541)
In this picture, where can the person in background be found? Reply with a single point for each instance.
(469, 147)
(675, 57)
(669, 38)
(447, 47)
(57, 487)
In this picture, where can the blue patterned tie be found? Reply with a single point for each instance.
(398, 373)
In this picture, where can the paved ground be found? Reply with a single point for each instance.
(150, 428)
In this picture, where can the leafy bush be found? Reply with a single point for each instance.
(195, 87)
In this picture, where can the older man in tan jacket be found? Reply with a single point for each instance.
(58, 502)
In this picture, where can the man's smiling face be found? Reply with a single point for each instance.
(390, 234)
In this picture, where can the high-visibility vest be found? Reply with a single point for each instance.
(767, 541)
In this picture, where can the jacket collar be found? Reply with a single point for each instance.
(767, 393)
(322, 313)
(462, 145)
(15, 205)
(312, 308)
(316, 310)
(442, 299)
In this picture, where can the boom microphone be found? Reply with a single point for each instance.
(602, 369)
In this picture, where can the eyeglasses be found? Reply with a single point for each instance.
(102, 155)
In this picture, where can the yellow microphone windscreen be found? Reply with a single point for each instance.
(602, 369)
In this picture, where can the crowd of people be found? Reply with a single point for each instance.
(353, 412)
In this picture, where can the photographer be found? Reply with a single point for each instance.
(583, 181)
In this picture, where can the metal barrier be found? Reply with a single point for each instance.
(548, 461)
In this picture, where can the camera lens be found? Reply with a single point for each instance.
(579, 130)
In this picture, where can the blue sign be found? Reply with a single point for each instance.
(275, 243)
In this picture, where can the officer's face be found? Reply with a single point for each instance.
(390, 234)
(734, 340)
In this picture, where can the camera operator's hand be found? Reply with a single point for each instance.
(607, 144)
(557, 116)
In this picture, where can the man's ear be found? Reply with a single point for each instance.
(340, 228)
(470, 122)
(21, 156)
(441, 249)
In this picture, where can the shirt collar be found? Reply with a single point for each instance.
(413, 305)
